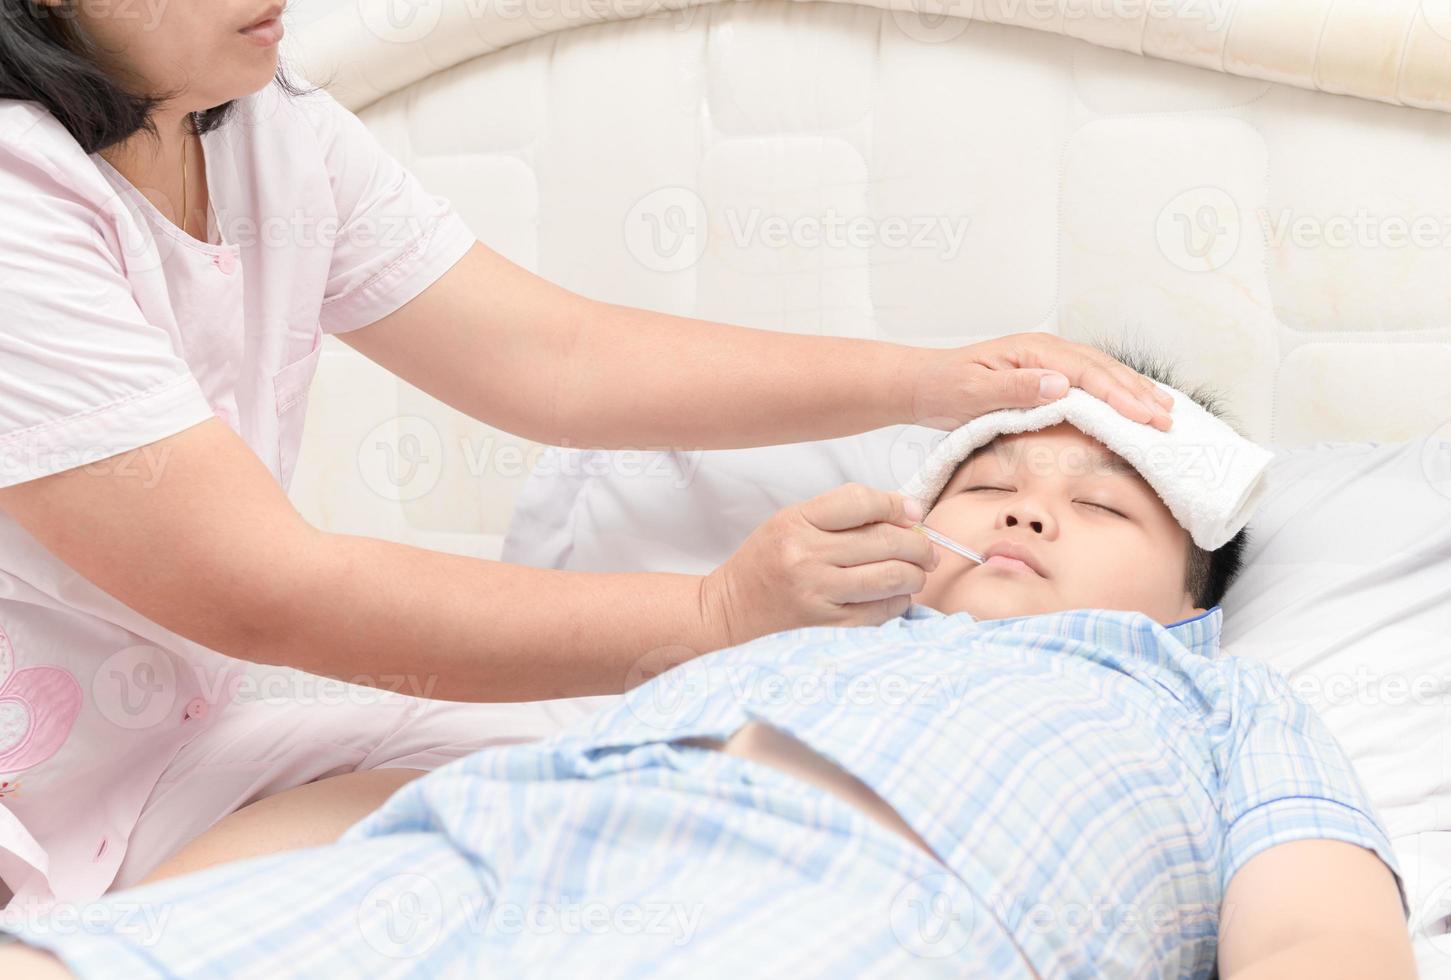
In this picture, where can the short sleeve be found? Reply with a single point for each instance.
(394, 239)
(83, 375)
(1286, 778)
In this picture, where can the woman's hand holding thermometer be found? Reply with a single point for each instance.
(847, 557)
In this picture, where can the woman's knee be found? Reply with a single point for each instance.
(305, 816)
(29, 963)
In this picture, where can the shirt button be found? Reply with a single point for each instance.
(196, 708)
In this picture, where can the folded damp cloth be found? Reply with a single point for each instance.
(1209, 476)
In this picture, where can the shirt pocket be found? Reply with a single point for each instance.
(290, 386)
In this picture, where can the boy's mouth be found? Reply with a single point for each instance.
(1010, 564)
(1012, 557)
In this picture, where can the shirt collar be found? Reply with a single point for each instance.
(1200, 634)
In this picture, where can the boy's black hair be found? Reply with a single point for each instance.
(46, 58)
(1207, 574)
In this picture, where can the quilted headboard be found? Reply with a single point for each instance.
(880, 171)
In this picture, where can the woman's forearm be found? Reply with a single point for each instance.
(633, 378)
(456, 628)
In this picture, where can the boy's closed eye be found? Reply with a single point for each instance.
(1088, 503)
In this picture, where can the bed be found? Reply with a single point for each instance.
(1258, 187)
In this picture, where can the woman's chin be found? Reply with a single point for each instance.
(243, 80)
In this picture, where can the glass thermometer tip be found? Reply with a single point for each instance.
(948, 543)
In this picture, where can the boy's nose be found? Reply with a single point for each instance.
(1037, 526)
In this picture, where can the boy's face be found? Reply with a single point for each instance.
(1037, 491)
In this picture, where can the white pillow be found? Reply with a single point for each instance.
(1346, 586)
(595, 510)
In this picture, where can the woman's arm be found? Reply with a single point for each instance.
(200, 539)
(204, 542)
(532, 358)
(1314, 908)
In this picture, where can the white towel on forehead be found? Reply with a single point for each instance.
(1209, 476)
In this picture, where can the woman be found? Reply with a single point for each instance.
(177, 235)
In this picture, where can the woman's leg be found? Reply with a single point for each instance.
(27, 963)
(400, 905)
(304, 816)
(276, 759)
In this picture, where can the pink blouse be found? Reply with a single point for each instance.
(118, 330)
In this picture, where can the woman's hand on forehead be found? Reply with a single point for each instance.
(951, 387)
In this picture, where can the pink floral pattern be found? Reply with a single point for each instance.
(38, 709)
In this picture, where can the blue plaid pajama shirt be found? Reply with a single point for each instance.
(1088, 782)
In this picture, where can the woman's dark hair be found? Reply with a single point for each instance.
(45, 58)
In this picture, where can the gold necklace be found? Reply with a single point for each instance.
(184, 215)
